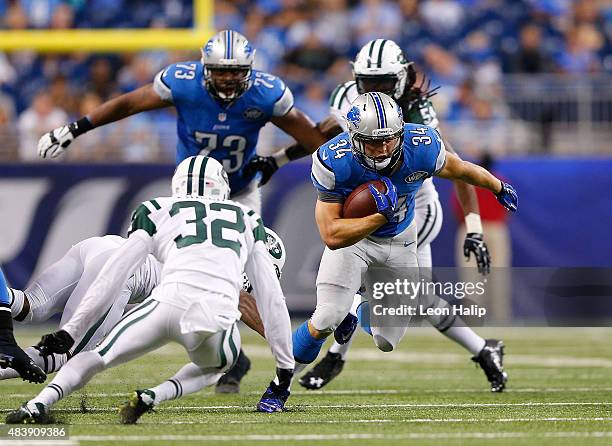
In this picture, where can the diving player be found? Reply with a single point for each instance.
(222, 103)
(60, 289)
(204, 241)
(11, 355)
(382, 66)
(378, 145)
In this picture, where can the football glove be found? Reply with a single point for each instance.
(386, 203)
(507, 197)
(267, 165)
(59, 342)
(54, 143)
(474, 244)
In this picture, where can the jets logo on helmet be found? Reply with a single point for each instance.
(380, 121)
(228, 60)
(381, 66)
(200, 176)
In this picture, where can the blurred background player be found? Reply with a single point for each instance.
(196, 302)
(11, 355)
(379, 145)
(222, 103)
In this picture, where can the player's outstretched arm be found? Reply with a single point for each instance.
(337, 232)
(54, 143)
(474, 239)
(308, 138)
(457, 169)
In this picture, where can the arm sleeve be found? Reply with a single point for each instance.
(162, 86)
(441, 158)
(284, 104)
(109, 282)
(270, 301)
(324, 179)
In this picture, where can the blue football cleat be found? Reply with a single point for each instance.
(344, 331)
(273, 400)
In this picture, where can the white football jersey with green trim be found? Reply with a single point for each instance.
(422, 113)
(200, 242)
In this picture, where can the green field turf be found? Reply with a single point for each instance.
(427, 392)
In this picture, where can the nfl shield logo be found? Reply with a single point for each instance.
(222, 117)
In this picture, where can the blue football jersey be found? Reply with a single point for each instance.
(336, 172)
(227, 133)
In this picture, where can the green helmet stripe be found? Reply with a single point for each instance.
(370, 53)
(190, 175)
(380, 53)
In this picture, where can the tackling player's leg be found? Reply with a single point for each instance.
(11, 355)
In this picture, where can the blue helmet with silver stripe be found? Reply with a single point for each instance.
(375, 119)
(228, 60)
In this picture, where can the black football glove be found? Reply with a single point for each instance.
(265, 164)
(59, 342)
(474, 244)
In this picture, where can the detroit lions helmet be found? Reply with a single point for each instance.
(200, 176)
(381, 66)
(228, 60)
(373, 119)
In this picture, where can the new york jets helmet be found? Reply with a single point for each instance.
(373, 118)
(381, 66)
(228, 51)
(200, 176)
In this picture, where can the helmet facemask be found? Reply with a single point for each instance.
(390, 84)
(227, 83)
(384, 164)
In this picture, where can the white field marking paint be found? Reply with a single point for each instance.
(360, 406)
(347, 436)
(356, 392)
(372, 354)
(382, 421)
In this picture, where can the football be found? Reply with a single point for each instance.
(360, 203)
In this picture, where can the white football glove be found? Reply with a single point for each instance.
(54, 143)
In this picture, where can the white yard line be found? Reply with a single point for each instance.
(346, 436)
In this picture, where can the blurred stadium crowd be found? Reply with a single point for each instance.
(473, 49)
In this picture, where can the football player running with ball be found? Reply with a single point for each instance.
(222, 103)
(204, 241)
(377, 146)
(382, 66)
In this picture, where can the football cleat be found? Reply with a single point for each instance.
(344, 331)
(12, 356)
(36, 413)
(230, 382)
(491, 360)
(324, 372)
(273, 400)
(138, 403)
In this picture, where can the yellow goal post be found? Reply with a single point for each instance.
(115, 40)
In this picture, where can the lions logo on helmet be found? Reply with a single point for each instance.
(228, 60)
(354, 117)
(200, 176)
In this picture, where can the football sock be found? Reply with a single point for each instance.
(363, 314)
(306, 348)
(75, 374)
(342, 349)
(6, 321)
(189, 379)
(465, 337)
(17, 304)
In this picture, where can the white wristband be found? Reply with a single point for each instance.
(473, 223)
(281, 157)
